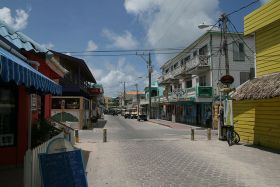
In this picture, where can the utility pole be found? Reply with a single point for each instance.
(123, 92)
(137, 98)
(149, 64)
(224, 20)
(150, 82)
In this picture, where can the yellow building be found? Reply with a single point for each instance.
(257, 105)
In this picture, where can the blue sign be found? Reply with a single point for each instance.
(63, 169)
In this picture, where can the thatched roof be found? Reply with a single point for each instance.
(259, 88)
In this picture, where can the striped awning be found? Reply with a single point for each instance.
(14, 69)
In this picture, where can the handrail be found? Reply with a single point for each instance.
(60, 123)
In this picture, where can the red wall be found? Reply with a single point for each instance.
(14, 155)
(23, 110)
(48, 105)
(43, 68)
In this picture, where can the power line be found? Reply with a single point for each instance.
(125, 50)
(169, 27)
(246, 6)
(241, 37)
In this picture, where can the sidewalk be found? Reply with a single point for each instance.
(174, 125)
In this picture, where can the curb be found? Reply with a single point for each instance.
(160, 124)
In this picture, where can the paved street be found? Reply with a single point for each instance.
(147, 154)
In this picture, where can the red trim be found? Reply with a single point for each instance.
(43, 68)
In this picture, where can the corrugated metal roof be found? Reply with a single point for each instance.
(20, 40)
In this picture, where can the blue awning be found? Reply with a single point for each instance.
(14, 69)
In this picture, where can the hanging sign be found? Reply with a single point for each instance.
(227, 79)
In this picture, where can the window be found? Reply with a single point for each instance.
(171, 68)
(8, 121)
(86, 104)
(167, 70)
(70, 103)
(238, 52)
(252, 73)
(175, 65)
(187, 58)
(202, 81)
(189, 83)
(182, 62)
(244, 76)
(203, 50)
(194, 53)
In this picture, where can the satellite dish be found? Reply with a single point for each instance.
(59, 145)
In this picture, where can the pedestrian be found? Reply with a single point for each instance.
(208, 118)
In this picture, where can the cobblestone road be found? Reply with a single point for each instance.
(165, 161)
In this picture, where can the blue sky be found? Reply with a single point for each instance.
(76, 26)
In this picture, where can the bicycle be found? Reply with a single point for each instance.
(232, 136)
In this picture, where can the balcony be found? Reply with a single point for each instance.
(166, 78)
(197, 65)
(181, 73)
(190, 94)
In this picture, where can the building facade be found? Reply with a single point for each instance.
(156, 101)
(192, 78)
(24, 93)
(74, 106)
(257, 105)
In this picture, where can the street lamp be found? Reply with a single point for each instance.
(203, 26)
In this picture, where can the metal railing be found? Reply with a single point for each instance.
(200, 60)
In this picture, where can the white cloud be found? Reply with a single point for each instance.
(97, 73)
(18, 22)
(92, 46)
(115, 73)
(48, 45)
(125, 41)
(69, 54)
(172, 23)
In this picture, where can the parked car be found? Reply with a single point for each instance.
(127, 115)
(133, 116)
(142, 117)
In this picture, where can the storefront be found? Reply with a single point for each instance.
(72, 110)
(18, 82)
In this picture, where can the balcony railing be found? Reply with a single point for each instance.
(179, 70)
(198, 61)
(166, 77)
(190, 93)
(187, 94)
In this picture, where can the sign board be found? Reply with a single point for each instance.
(33, 102)
(227, 79)
(204, 91)
(63, 169)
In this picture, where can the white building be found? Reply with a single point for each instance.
(192, 77)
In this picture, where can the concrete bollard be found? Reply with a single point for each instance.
(76, 134)
(209, 134)
(192, 134)
(104, 135)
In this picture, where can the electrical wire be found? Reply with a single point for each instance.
(240, 36)
(241, 8)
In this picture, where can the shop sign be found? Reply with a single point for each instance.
(33, 102)
(204, 91)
